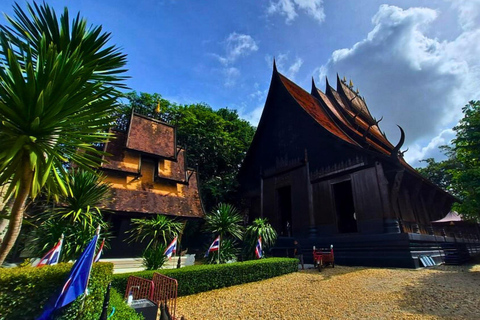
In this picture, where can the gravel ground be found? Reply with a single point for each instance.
(442, 292)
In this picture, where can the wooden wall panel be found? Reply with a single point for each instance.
(323, 206)
(368, 203)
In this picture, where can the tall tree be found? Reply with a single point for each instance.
(466, 147)
(441, 173)
(58, 90)
(216, 141)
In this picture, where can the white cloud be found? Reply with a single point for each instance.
(231, 75)
(289, 8)
(468, 13)
(236, 46)
(283, 64)
(418, 82)
(416, 152)
(252, 116)
(294, 68)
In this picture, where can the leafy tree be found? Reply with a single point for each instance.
(58, 90)
(466, 147)
(216, 141)
(259, 228)
(76, 216)
(441, 173)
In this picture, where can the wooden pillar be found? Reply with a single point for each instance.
(312, 233)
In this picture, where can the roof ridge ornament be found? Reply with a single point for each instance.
(395, 151)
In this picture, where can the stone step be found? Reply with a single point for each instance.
(130, 265)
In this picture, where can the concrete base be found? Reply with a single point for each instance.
(400, 250)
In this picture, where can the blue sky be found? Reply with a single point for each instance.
(415, 62)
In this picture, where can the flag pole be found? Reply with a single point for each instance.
(218, 256)
(97, 233)
(61, 246)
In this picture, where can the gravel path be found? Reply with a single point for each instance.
(444, 292)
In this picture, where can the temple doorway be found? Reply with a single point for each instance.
(284, 196)
(345, 208)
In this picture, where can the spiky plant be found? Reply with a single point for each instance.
(160, 229)
(58, 89)
(259, 228)
(75, 215)
(226, 221)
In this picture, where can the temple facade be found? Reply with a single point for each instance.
(321, 170)
(149, 176)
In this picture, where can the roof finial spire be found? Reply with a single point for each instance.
(350, 84)
(274, 65)
(313, 85)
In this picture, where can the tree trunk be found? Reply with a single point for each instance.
(6, 208)
(18, 209)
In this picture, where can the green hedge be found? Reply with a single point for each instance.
(201, 278)
(122, 310)
(24, 291)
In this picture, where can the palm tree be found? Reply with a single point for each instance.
(225, 220)
(160, 229)
(58, 89)
(259, 228)
(76, 215)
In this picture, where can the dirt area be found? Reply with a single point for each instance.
(442, 292)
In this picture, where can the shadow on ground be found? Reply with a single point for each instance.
(447, 292)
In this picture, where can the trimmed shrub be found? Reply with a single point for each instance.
(25, 291)
(194, 279)
(122, 310)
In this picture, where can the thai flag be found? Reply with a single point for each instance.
(76, 283)
(99, 253)
(171, 249)
(214, 246)
(258, 248)
(53, 256)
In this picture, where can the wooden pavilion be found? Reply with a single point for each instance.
(322, 171)
(149, 176)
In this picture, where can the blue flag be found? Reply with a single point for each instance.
(77, 281)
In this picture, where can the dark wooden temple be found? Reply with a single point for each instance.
(321, 170)
(149, 176)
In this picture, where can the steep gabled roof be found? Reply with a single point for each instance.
(347, 126)
(357, 121)
(313, 107)
(355, 102)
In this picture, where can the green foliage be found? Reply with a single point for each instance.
(259, 228)
(225, 220)
(59, 87)
(441, 173)
(202, 278)
(75, 216)
(228, 252)
(160, 229)
(154, 257)
(216, 141)
(466, 147)
(26, 290)
(122, 310)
